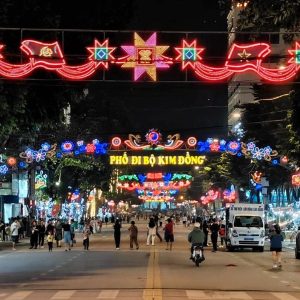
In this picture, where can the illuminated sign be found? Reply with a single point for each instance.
(152, 160)
(40, 180)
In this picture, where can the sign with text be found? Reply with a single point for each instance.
(152, 160)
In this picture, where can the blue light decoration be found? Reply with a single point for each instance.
(250, 150)
(69, 148)
(3, 169)
(31, 155)
(216, 145)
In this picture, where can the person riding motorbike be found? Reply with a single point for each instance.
(196, 237)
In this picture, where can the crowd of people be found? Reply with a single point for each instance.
(56, 231)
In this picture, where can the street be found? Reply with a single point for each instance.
(148, 273)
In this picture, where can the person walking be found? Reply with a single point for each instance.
(14, 229)
(214, 229)
(133, 234)
(205, 231)
(67, 235)
(34, 238)
(151, 232)
(50, 240)
(86, 236)
(58, 233)
(117, 233)
(42, 229)
(276, 239)
(169, 234)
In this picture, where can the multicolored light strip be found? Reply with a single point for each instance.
(145, 57)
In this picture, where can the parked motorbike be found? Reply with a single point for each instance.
(197, 256)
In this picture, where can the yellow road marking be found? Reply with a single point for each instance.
(153, 289)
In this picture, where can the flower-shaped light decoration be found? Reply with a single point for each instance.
(296, 179)
(39, 155)
(3, 169)
(67, 146)
(233, 147)
(46, 146)
(153, 137)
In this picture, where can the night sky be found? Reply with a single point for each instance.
(195, 108)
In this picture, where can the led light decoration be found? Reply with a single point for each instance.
(145, 57)
(11, 161)
(250, 150)
(242, 58)
(212, 145)
(40, 180)
(188, 54)
(210, 196)
(31, 155)
(101, 53)
(153, 137)
(192, 141)
(116, 142)
(67, 146)
(256, 180)
(296, 179)
(3, 169)
(229, 195)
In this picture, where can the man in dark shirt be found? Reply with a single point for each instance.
(214, 229)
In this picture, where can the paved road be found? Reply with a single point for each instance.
(148, 273)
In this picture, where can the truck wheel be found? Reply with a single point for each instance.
(261, 249)
(297, 254)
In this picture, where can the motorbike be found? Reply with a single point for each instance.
(197, 256)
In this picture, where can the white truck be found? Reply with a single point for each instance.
(245, 226)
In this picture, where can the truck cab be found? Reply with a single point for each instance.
(245, 226)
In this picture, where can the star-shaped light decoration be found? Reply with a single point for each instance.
(189, 54)
(295, 54)
(244, 55)
(145, 57)
(101, 53)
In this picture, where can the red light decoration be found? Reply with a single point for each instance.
(189, 54)
(116, 142)
(90, 148)
(11, 161)
(154, 176)
(145, 57)
(192, 141)
(296, 179)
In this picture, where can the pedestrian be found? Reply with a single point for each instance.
(41, 227)
(72, 230)
(86, 236)
(67, 235)
(205, 231)
(14, 229)
(34, 237)
(133, 234)
(222, 234)
(58, 233)
(169, 234)
(117, 233)
(214, 229)
(151, 232)
(50, 240)
(276, 239)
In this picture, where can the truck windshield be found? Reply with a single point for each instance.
(248, 221)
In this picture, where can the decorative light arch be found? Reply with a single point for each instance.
(146, 57)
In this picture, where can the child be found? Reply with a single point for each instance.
(133, 234)
(86, 236)
(50, 239)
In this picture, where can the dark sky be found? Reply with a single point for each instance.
(188, 108)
